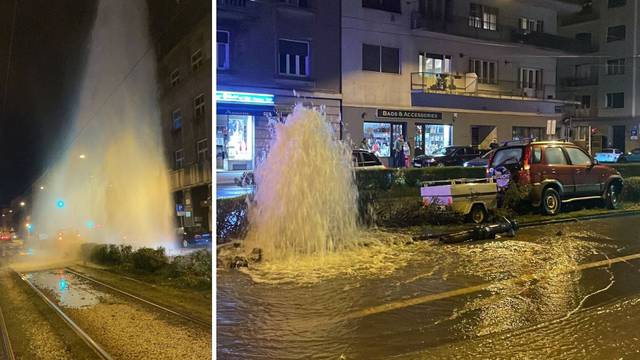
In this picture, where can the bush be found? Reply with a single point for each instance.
(149, 260)
(194, 269)
(105, 254)
(627, 170)
(414, 177)
(374, 180)
(231, 218)
(631, 189)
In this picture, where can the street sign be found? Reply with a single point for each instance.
(634, 132)
(179, 207)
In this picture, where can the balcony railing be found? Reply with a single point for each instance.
(191, 175)
(580, 81)
(232, 3)
(471, 27)
(470, 85)
(583, 16)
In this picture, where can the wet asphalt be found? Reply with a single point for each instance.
(556, 291)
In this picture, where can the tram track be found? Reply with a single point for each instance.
(6, 352)
(154, 305)
(97, 348)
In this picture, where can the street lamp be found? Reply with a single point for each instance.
(82, 156)
(22, 203)
(41, 187)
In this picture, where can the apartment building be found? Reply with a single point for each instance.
(270, 55)
(605, 82)
(442, 72)
(186, 110)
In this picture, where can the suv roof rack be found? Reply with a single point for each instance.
(525, 141)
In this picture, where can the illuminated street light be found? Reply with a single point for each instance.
(41, 187)
(82, 156)
(11, 211)
(22, 203)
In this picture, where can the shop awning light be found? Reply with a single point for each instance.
(244, 98)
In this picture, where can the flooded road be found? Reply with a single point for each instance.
(562, 291)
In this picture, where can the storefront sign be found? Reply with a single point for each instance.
(404, 114)
(244, 98)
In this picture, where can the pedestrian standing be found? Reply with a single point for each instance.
(407, 154)
(494, 144)
(364, 145)
(398, 148)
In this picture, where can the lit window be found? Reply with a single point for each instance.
(293, 57)
(176, 119)
(483, 17)
(178, 158)
(199, 107)
(202, 150)
(223, 49)
(530, 25)
(434, 63)
(174, 77)
(196, 60)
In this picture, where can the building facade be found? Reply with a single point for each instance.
(186, 110)
(271, 55)
(605, 83)
(443, 72)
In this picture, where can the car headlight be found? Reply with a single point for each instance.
(466, 164)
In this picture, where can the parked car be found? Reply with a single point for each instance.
(448, 156)
(555, 172)
(195, 237)
(481, 161)
(363, 159)
(631, 156)
(608, 155)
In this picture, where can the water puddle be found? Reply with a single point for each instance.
(69, 290)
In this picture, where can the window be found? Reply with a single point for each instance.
(223, 50)
(486, 71)
(615, 67)
(178, 157)
(530, 25)
(582, 133)
(196, 60)
(519, 132)
(434, 63)
(616, 3)
(386, 5)
(585, 37)
(202, 150)
(174, 77)
(578, 157)
(614, 100)
(530, 78)
(554, 156)
(298, 3)
(378, 137)
(582, 71)
(199, 107)
(537, 155)
(483, 17)
(615, 33)
(176, 119)
(380, 59)
(293, 57)
(507, 156)
(585, 101)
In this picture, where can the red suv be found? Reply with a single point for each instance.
(555, 172)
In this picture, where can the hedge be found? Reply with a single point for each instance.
(627, 170)
(385, 179)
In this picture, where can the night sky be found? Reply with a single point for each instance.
(49, 50)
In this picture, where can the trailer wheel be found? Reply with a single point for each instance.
(478, 214)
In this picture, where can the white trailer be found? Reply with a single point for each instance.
(471, 197)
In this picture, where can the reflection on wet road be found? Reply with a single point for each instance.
(540, 293)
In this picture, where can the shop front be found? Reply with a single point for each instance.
(240, 116)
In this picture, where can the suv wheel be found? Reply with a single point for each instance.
(551, 201)
(612, 197)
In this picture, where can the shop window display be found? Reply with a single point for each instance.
(378, 137)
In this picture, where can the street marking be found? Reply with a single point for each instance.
(400, 304)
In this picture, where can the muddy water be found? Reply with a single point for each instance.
(445, 301)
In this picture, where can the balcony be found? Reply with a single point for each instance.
(579, 81)
(236, 9)
(580, 17)
(471, 27)
(470, 85)
(190, 176)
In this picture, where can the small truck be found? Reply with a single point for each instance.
(470, 197)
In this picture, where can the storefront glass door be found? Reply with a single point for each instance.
(235, 142)
(431, 137)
